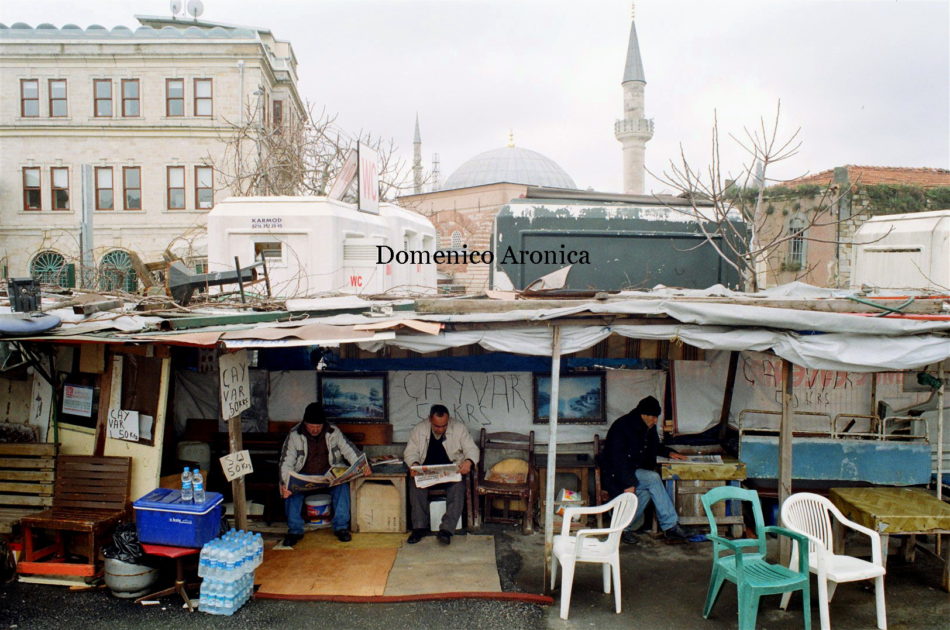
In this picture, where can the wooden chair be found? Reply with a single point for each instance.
(91, 495)
(508, 490)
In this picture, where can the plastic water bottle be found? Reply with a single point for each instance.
(199, 487)
(186, 488)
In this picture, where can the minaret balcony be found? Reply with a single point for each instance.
(639, 128)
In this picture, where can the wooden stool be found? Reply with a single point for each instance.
(178, 554)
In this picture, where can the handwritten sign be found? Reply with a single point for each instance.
(236, 465)
(235, 383)
(124, 425)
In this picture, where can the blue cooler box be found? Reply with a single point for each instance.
(163, 519)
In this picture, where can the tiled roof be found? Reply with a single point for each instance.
(870, 175)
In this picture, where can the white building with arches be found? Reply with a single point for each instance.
(149, 111)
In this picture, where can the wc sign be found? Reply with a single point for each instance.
(235, 383)
(368, 179)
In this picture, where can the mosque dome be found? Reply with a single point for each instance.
(509, 164)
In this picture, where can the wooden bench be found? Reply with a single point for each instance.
(90, 497)
(26, 481)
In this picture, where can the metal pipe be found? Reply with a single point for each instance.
(940, 392)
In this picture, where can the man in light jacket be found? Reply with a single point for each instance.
(313, 447)
(439, 440)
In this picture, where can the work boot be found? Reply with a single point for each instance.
(630, 538)
(343, 535)
(291, 539)
(416, 536)
(444, 537)
(676, 533)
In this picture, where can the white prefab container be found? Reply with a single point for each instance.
(903, 251)
(315, 245)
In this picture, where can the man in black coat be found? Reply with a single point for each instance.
(629, 465)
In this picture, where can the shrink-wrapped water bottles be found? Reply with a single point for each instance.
(227, 565)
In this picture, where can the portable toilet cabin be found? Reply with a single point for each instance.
(315, 245)
(903, 251)
(611, 245)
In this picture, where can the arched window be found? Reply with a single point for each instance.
(49, 267)
(116, 272)
(796, 244)
(456, 240)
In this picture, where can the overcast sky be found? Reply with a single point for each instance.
(867, 82)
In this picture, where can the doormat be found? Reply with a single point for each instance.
(383, 568)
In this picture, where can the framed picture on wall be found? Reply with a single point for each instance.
(580, 398)
(353, 397)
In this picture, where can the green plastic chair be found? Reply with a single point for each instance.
(753, 575)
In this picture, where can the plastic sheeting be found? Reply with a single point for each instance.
(844, 352)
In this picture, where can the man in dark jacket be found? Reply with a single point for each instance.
(629, 464)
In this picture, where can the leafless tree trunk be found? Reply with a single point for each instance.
(300, 156)
(722, 205)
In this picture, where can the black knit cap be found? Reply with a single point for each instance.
(314, 414)
(649, 406)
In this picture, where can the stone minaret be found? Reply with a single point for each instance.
(633, 130)
(417, 160)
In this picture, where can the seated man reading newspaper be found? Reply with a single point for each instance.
(317, 457)
(439, 451)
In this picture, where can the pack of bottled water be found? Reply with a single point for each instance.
(227, 565)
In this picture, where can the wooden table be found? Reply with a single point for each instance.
(896, 511)
(379, 515)
(686, 483)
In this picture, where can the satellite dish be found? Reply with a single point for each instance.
(195, 8)
(175, 6)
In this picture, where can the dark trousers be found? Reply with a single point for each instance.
(454, 504)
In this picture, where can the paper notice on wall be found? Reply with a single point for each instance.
(124, 425)
(77, 400)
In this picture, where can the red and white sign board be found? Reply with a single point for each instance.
(368, 179)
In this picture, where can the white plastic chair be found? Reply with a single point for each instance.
(810, 514)
(599, 546)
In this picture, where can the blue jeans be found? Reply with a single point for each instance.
(650, 487)
(339, 497)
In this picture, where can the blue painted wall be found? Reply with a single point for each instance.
(873, 461)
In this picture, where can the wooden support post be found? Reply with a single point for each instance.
(727, 394)
(552, 457)
(105, 399)
(237, 486)
(785, 454)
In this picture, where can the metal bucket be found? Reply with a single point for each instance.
(128, 580)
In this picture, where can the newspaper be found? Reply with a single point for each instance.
(691, 459)
(427, 476)
(334, 477)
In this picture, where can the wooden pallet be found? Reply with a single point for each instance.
(27, 475)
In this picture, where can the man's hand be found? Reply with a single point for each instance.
(465, 467)
(284, 492)
(412, 473)
(675, 455)
(631, 489)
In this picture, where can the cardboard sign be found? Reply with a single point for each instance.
(236, 465)
(124, 425)
(235, 383)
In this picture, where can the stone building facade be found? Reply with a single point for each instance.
(146, 115)
(819, 214)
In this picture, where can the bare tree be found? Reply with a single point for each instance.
(734, 211)
(301, 155)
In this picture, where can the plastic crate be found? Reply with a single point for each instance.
(162, 519)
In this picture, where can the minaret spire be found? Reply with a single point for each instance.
(417, 159)
(633, 130)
